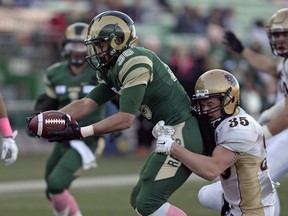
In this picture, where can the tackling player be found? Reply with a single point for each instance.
(144, 83)
(275, 119)
(240, 154)
(9, 148)
(67, 81)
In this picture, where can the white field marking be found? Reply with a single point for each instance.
(82, 182)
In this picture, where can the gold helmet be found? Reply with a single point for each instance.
(114, 28)
(73, 43)
(278, 24)
(220, 84)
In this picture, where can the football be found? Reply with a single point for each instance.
(46, 122)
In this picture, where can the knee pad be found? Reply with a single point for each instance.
(133, 196)
(144, 207)
(213, 202)
(54, 186)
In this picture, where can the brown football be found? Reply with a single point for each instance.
(46, 122)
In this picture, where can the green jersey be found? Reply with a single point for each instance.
(66, 87)
(164, 97)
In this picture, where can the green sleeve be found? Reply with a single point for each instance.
(101, 94)
(131, 99)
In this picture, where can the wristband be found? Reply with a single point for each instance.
(266, 132)
(87, 131)
(5, 127)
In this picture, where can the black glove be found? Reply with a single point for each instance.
(29, 132)
(232, 41)
(71, 132)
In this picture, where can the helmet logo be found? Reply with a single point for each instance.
(230, 79)
(116, 43)
(119, 27)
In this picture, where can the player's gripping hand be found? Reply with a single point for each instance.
(161, 129)
(9, 149)
(29, 132)
(163, 133)
(164, 144)
(232, 41)
(71, 132)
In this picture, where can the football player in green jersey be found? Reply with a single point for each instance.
(67, 81)
(144, 84)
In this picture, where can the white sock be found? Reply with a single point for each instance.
(168, 210)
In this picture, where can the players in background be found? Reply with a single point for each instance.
(9, 148)
(144, 83)
(274, 120)
(67, 81)
(240, 154)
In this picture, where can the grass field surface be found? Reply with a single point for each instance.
(94, 198)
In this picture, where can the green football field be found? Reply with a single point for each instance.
(106, 199)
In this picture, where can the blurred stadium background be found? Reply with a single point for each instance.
(30, 36)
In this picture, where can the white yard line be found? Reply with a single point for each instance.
(83, 182)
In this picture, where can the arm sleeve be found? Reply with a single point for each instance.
(131, 99)
(101, 94)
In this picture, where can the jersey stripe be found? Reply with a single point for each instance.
(132, 62)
